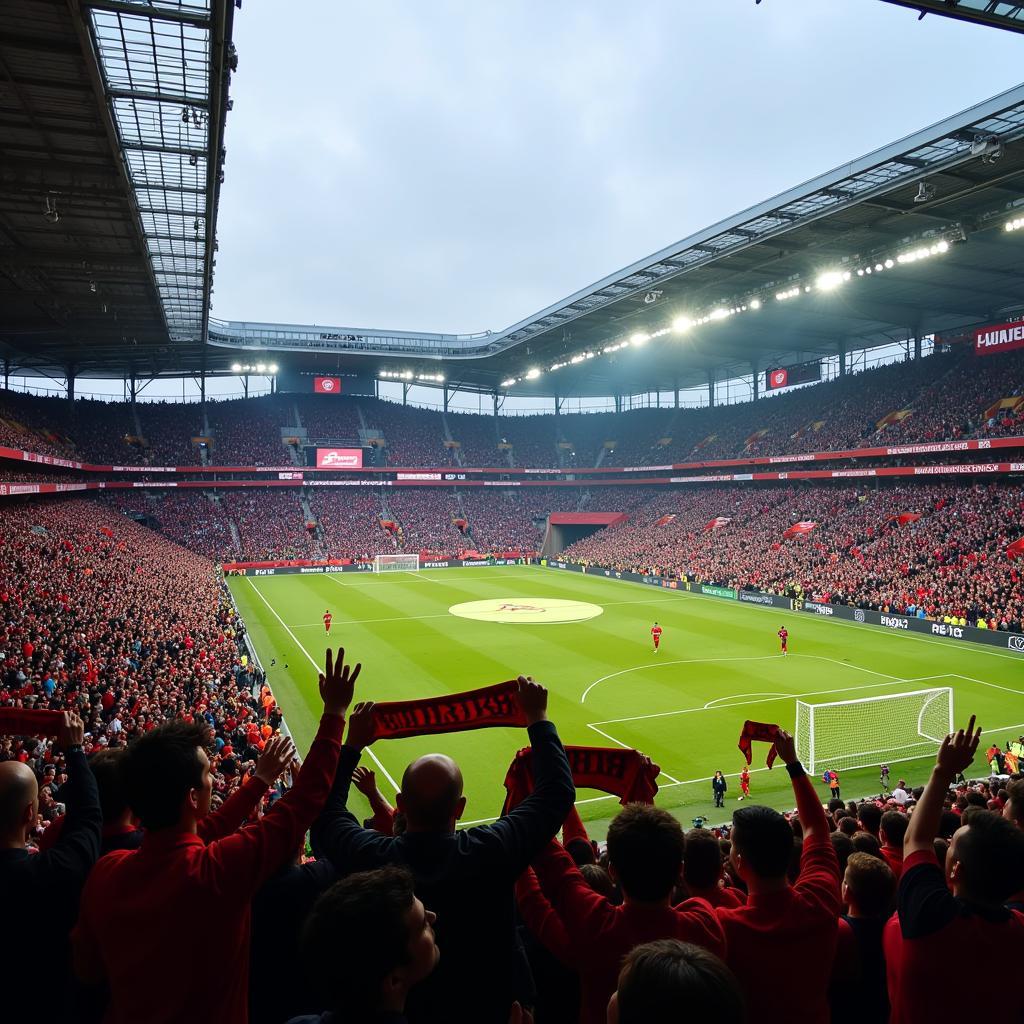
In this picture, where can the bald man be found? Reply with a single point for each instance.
(465, 877)
(39, 892)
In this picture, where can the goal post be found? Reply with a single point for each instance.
(396, 563)
(846, 734)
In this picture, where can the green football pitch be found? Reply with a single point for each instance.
(719, 664)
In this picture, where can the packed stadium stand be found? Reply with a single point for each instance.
(168, 853)
(947, 396)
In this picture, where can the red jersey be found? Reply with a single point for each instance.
(656, 632)
(745, 779)
(327, 618)
(783, 635)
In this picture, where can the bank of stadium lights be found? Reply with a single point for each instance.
(422, 378)
(826, 281)
(263, 368)
(1015, 225)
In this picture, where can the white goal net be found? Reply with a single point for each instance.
(396, 563)
(872, 730)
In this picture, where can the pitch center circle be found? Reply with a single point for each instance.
(527, 610)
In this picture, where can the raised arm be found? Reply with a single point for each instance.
(954, 756)
(517, 837)
(78, 846)
(232, 814)
(812, 814)
(336, 834)
(242, 861)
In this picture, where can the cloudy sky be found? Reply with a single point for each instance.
(450, 166)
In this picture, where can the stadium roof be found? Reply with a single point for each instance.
(112, 141)
(113, 155)
(955, 184)
(996, 13)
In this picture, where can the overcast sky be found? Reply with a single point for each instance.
(458, 166)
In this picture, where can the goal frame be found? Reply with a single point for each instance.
(396, 563)
(805, 709)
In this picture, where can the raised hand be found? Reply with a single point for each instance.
(364, 779)
(338, 683)
(785, 744)
(533, 699)
(957, 750)
(72, 730)
(361, 726)
(277, 755)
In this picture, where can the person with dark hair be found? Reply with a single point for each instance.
(44, 887)
(843, 845)
(703, 870)
(869, 888)
(891, 831)
(466, 877)
(719, 786)
(141, 909)
(368, 940)
(645, 858)
(946, 919)
(865, 842)
(869, 814)
(1013, 809)
(664, 980)
(783, 924)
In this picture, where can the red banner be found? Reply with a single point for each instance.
(905, 517)
(718, 522)
(487, 707)
(327, 385)
(1016, 549)
(998, 338)
(339, 458)
(665, 520)
(797, 529)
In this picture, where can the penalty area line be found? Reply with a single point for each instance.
(273, 611)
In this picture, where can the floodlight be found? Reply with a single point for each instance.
(639, 338)
(272, 367)
(508, 383)
(681, 324)
(755, 303)
(236, 367)
(889, 264)
(829, 280)
(533, 373)
(261, 367)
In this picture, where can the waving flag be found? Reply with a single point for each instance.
(904, 517)
(665, 520)
(718, 522)
(797, 529)
(1016, 549)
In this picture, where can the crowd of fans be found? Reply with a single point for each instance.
(948, 395)
(950, 563)
(862, 911)
(271, 524)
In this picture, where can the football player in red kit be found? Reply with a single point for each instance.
(656, 636)
(784, 638)
(327, 621)
(744, 783)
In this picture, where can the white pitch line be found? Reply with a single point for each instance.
(757, 693)
(995, 686)
(373, 756)
(665, 664)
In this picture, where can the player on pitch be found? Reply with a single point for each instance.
(744, 783)
(656, 636)
(327, 621)
(784, 638)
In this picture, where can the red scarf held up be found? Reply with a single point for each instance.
(30, 722)
(627, 774)
(488, 707)
(762, 732)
